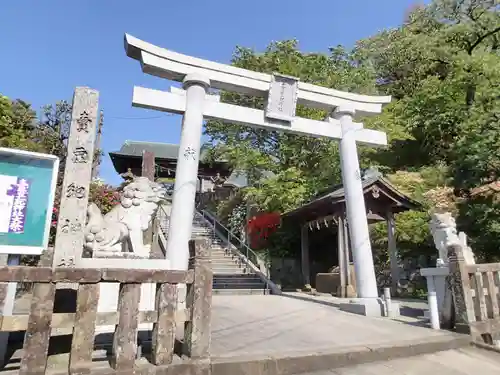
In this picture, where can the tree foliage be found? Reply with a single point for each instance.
(442, 68)
(16, 123)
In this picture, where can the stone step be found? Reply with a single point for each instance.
(224, 265)
(220, 251)
(220, 279)
(202, 238)
(219, 254)
(242, 281)
(227, 274)
(248, 276)
(239, 292)
(224, 258)
(222, 255)
(230, 271)
(236, 281)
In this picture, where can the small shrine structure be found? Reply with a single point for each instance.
(328, 210)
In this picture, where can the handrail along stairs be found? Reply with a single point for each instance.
(225, 234)
(244, 257)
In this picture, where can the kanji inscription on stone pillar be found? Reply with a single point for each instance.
(77, 176)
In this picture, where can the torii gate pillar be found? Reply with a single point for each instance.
(186, 175)
(366, 284)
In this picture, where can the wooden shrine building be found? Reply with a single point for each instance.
(129, 160)
(327, 211)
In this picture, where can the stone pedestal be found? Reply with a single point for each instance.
(370, 307)
(330, 282)
(436, 282)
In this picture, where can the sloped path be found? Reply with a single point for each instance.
(244, 325)
(451, 362)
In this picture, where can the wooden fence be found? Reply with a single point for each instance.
(42, 320)
(476, 296)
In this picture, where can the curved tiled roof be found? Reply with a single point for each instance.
(371, 178)
(130, 156)
(160, 150)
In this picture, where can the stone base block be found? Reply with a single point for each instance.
(370, 307)
(346, 292)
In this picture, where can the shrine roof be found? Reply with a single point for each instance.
(130, 156)
(160, 150)
(380, 195)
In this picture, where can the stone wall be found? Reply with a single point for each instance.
(286, 272)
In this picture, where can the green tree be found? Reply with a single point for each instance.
(302, 166)
(442, 68)
(53, 129)
(435, 65)
(16, 121)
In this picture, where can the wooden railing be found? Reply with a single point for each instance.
(475, 295)
(42, 320)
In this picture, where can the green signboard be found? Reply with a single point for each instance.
(27, 185)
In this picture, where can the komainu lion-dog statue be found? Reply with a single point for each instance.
(444, 232)
(121, 229)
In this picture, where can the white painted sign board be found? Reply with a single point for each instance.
(282, 98)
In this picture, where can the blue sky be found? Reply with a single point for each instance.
(47, 47)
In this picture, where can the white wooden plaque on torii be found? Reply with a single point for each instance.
(282, 93)
(282, 98)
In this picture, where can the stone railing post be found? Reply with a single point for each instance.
(460, 286)
(199, 301)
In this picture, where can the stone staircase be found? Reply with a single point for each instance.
(231, 275)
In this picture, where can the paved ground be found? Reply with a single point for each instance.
(255, 324)
(256, 327)
(451, 362)
(267, 324)
(409, 307)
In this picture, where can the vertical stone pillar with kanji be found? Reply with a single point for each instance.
(77, 177)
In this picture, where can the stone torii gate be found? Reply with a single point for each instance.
(282, 93)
